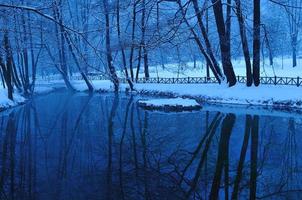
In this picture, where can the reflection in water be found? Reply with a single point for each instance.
(64, 146)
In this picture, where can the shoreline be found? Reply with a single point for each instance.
(193, 92)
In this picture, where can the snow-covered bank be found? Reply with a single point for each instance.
(268, 95)
(5, 102)
(277, 96)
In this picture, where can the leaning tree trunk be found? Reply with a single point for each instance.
(113, 75)
(199, 44)
(70, 46)
(256, 43)
(204, 33)
(2, 77)
(224, 43)
(66, 37)
(121, 45)
(245, 48)
(64, 76)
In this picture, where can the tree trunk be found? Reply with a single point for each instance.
(60, 42)
(206, 38)
(113, 75)
(207, 31)
(121, 45)
(132, 40)
(25, 56)
(256, 43)
(2, 77)
(138, 63)
(224, 43)
(294, 49)
(199, 44)
(64, 76)
(32, 55)
(8, 69)
(245, 48)
(228, 24)
(70, 45)
(143, 42)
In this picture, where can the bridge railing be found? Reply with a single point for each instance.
(265, 80)
(274, 80)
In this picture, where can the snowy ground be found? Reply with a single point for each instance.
(281, 67)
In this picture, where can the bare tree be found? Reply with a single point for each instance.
(294, 14)
(244, 43)
(224, 43)
(112, 70)
(256, 43)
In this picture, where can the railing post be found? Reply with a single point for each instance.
(238, 78)
(298, 81)
(275, 80)
(173, 80)
(188, 79)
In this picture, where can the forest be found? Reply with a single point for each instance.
(124, 39)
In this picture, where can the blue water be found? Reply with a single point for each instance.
(70, 147)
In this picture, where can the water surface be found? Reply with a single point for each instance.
(63, 146)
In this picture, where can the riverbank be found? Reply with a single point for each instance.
(6, 103)
(280, 97)
(285, 97)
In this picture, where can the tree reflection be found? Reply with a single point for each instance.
(116, 150)
(222, 160)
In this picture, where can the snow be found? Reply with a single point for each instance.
(5, 102)
(40, 89)
(170, 102)
(271, 95)
(290, 96)
(281, 67)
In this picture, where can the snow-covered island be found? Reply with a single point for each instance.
(170, 104)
